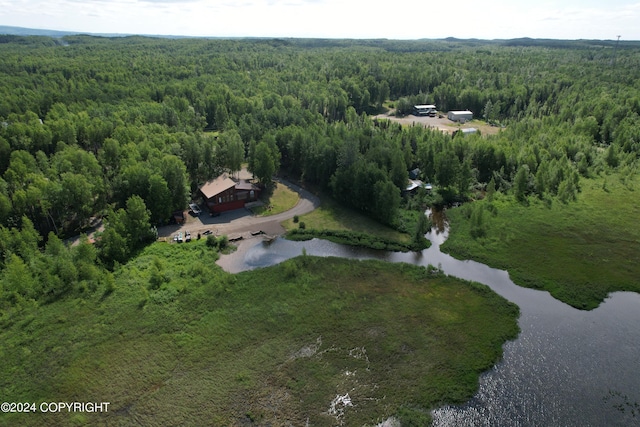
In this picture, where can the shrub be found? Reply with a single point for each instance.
(157, 278)
(296, 218)
(414, 417)
(302, 225)
(291, 270)
(109, 285)
(478, 222)
(223, 242)
(211, 241)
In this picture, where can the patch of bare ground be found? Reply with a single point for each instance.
(441, 123)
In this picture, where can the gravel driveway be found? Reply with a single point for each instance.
(241, 222)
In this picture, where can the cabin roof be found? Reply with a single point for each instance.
(216, 186)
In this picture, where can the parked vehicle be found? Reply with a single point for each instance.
(188, 236)
(195, 209)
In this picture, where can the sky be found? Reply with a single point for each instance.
(391, 19)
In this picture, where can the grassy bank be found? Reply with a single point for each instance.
(180, 342)
(277, 199)
(346, 237)
(579, 252)
(341, 224)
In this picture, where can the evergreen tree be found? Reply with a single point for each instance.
(491, 189)
(521, 183)
(477, 220)
(136, 223)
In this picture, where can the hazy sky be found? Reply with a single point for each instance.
(408, 19)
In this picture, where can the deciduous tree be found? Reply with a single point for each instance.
(264, 165)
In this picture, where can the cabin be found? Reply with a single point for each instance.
(424, 110)
(225, 194)
(413, 185)
(460, 116)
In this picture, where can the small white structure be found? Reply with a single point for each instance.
(414, 184)
(460, 116)
(466, 131)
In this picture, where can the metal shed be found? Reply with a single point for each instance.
(460, 116)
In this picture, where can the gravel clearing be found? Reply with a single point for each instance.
(441, 123)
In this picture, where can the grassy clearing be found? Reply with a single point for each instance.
(279, 199)
(333, 216)
(268, 347)
(580, 252)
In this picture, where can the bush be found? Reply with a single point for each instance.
(302, 225)
(109, 285)
(478, 222)
(157, 278)
(296, 218)
(414, 417)
(223, 242)
(291, 270)
(211, 241)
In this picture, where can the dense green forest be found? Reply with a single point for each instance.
(126, 129)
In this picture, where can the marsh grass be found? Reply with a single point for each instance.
(579, 252)
(346, 237)
(269, 346)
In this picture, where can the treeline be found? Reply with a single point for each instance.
(128, 128)
(31, 273)
(365, 162)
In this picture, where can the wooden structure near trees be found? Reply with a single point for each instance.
(225, 194)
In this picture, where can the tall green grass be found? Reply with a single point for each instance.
(341, 220)
(180, 342)
(352, 238)
(579, 252)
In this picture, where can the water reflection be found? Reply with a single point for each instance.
(567, 367)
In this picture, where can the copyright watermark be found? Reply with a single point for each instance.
(54, 407)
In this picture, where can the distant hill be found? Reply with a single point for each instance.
(315, 42)
(21, 31)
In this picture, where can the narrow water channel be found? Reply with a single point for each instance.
(566, 368)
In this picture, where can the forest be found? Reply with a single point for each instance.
(126, 129)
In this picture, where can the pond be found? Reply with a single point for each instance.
(567, 367)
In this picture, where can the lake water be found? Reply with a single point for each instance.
(566, 368)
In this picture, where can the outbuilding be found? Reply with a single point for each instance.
(424, 110)
(460, 116)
